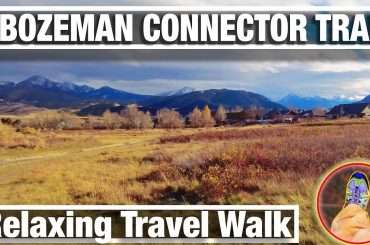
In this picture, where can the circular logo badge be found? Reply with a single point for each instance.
(342, 203)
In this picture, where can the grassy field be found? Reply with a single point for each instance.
(277, 164)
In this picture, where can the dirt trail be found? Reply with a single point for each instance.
(24, 160)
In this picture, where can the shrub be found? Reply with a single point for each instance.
(28, 131)
(175, 139)
(158, 157)
(10, 138)
(169, 119)
(249, 155)
(42, 120)
(53, 120)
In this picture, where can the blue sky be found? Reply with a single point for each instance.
(273, 78)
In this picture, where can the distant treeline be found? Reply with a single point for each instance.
(129, 118)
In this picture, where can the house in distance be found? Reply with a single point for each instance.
(359, 110)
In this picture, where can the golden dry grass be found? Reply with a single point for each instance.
(253, 165)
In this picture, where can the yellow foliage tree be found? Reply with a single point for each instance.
(195, 118)
(207, 118)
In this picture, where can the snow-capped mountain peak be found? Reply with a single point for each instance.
(182, 91)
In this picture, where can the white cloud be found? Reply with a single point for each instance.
(308, 66)
(156, 86)
(265, 66)
(357, 88)
(339, 67)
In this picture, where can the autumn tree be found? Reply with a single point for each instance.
(133, 118)
(70, 121)
(94, 122)
(254, 112)
(207, 118)
(167, 118)
(220, 115)
(146, 120)
(111, 120)
(200, 118)
(196, 118)
(53, 120)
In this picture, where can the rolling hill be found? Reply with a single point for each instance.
(7, 108)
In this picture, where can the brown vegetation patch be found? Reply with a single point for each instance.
(152, 176)
(255, 155)
(270, 132)
(112, 159)
(175, 195)
(175, 139)
(138, 198)
(158, 157)
(24, 181)
(86, 197)
(11, 139)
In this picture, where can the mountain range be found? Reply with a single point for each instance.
(366, 99)
(306, 103)
(39, 91)
(42, 92)
(185, 103)
(182, 91)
